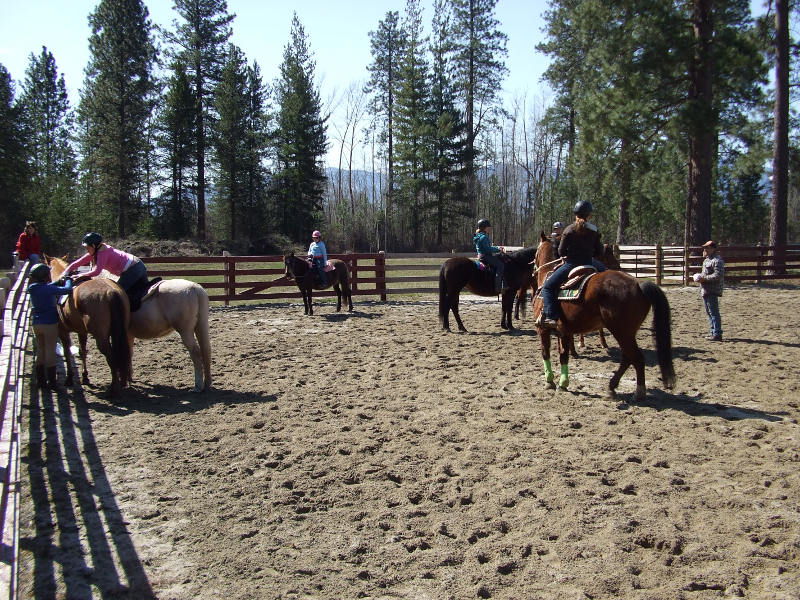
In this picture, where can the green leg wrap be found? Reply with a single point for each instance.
(548, 372)
(563, 381)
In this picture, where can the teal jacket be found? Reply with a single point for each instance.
(484, 245)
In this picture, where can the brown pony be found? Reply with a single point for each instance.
(460, 272)
(618, 302)
(98, 307)
(303, 275)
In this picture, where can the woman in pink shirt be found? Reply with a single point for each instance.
(127, 267)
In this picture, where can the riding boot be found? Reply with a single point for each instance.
(41, 378)
(52, 378)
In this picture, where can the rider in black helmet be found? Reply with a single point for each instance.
(489, 254)
(579, 243)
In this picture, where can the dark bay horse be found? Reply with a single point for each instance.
(98, 307)
(618, 302)
(300, 271)
(460, 272)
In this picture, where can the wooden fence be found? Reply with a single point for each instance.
(12, 365)
(251, 278)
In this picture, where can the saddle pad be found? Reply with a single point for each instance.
(576, 290)
(481, 266)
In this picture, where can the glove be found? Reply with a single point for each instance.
(697, 276)
(67, 278)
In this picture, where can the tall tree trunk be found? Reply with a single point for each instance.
(780, 159)
(623, 217)
(701, 136)
(201, 160)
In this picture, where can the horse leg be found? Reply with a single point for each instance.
(564, 344)
(104, 346)
(507, 305)
(544, 340)
(581, 344)
(307, 302)
(631, 355)
(454, 307)
(82, 339)
(338, 297)
(572, 352)
(603, 342)
(188, 339)
(65, 344)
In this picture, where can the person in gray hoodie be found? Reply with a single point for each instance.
(711, 279)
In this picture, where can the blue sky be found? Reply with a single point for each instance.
(337, 33)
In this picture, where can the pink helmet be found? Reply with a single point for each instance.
(316, 233)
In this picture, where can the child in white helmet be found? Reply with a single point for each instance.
(318, 254)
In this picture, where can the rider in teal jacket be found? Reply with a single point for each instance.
(489, 254)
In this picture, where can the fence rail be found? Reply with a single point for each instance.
(12, 367)
(251, 278)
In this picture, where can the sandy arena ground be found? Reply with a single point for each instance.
(370, 455)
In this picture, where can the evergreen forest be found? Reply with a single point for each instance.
(677, 119)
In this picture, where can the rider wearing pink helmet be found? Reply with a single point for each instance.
(319, 256)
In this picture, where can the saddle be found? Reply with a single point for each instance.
(572, 288)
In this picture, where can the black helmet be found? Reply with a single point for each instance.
(484, 223)
(583, 208)
(92, 239)
(40, 272)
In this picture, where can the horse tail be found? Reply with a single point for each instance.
(662, 330)
(120, 348)
(202, 334)
(444, 303)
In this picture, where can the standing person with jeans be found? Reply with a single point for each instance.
(45, 321)
(579, 243)
(711, 279)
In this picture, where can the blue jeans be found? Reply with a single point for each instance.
(712, 310)
(34, 259)
(319, 265)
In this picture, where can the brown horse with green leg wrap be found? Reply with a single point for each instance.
(616, 301)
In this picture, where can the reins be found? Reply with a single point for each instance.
(547, 264)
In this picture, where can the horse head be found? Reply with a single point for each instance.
(57, 265)
(545, 259)
(288, 263)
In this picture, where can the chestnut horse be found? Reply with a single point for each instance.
(460, 272)
(98, 307)
(300, 271)
(618, 302)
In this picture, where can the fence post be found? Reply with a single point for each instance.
(686, 275)
(354, 273)
(659, 263)
(380, 273)
(759, 262)
(230, 277)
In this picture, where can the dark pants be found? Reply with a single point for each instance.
(132, 275)
(319, 265)
(499, 265)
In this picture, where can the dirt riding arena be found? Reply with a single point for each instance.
(370, 455)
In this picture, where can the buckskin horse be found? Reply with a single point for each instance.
(460, 272)
(618, 302)
(172, 305)
(303, 275)
(98, 307)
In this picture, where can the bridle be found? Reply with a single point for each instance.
(547, 264)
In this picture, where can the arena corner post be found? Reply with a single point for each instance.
(659, 263)
(380, 273)
(230, 276)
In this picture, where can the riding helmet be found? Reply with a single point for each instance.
(483, 223)
(40, 272)
(316, 233)
(583, 208)
(558, 225)
(92, 239)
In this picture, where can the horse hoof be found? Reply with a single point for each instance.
(551, 385)
(640, 394)
(85, 380)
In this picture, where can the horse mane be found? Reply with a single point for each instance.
(523, 256)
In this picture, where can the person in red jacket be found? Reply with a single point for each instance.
(29, 244)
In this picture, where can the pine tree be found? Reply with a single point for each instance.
(387, 44)
(175, 208)
(478, 69)
(449, 130)
(230, 104)
(300, 140)
(200, 42)
(114, 111)
(13, 167)
(47, 125)
(256, 147)
(413, 150)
